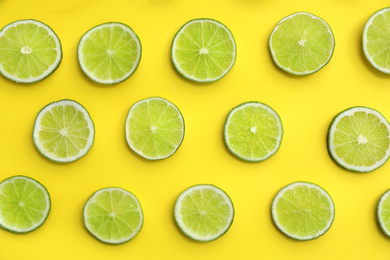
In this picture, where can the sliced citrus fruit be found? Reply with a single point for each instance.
(358, 139)
(109, 53)
(301, 43)
(204, 212)
(383, 213)
(63, 131)
(30, 51)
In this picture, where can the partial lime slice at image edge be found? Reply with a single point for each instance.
(303, 211)
(204, 212)
(359, 139)
(24, 204)
(63, 131)
(253, 131)
(113, 215)
(109, 53)
(383, 213)
(154, 128)
(203, 50)
(301, 44)
(30, 51)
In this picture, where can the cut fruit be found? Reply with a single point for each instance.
(24, 204)
(113, 215)
(253, 131)
(109, 53)
(204, 212)
(63, 131)
(383, 213)
(303, 211)
(376, 45)
(301, 44)
(203, 50)
(358, 139)
(154, 128)
(30, 51)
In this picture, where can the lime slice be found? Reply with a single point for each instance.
(154, 128)
(30, 51)
(383, 213)
(109, 53)
(358, 139)
(63, 131)
(204, 212)
(24, 204)
(301, 44)
(113, 215)
(253, 131)
(376, 45)
(203, 50)
(303, 211)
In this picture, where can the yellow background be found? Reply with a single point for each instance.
(306, 106)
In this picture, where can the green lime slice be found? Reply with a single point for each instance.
(154, 128)
(30, 51)
(109, 53)
(63, 131)
(253, 131)
(358, 139)
(303, 210)
(301, 44)
(203, 50)
(376, 45)
(113, 215)
(383, 213)
(24, 204)
(204, 212)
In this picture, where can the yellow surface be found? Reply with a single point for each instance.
(306, 106)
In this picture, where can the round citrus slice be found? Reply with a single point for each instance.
(109, 53)
(358, 139)
(303, 211)
(154, 128)
(383, 213)
(376, 34)
(113, 215)
(30, 51)
(253, 131)
(204, 212)
(203, 50)
(301, 43)
(24, 204)
(63, 131)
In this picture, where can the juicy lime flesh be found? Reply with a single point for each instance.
(302, 43)
(113, 215)
(64, 131)
(303, 211)
(253, 132)
(204, 213)
(361, 139)
(204, 50)
(109, 53)
(23, 204)
(27, 51)
(384, 215)
(155, 128)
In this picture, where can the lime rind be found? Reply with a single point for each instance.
(310, 186)
(51, 69)
(182, 226)
(307, 72)
(177, 65)
(383, 213)
(38, 128)
(45, 213)
(90, 75)
(384, 40)
(278, 139)
(94, 233)
(331, 146)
